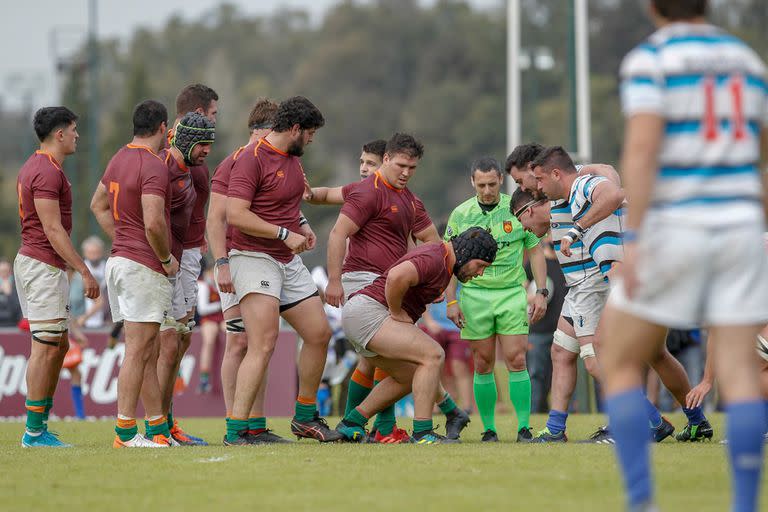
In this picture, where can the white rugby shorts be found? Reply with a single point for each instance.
(43, 289)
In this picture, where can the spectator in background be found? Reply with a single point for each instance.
(93, 315)
(10, 310)
(211, 323)
(540, 334)
(458, 355)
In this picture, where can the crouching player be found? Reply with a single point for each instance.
(379, 321)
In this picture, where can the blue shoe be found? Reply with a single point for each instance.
(663, 431)
(351, 432)
(545, 436)
(45, 439)
(432, 437)
(184, 438)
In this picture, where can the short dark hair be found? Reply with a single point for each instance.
(519, 199)
(49, 119)
(402, 143)
(522, 155)
(485, 164)
(678, 10)
(297, 110)
(376, 147)
(147, 117)
(555, 157)
(193, 97)
(262, 114)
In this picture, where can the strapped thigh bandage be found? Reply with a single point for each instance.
(53, 329)
(569, 343)
(587, 350)
(235, 325)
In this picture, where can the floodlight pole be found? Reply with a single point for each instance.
(514, 115)
(583, 104)
(93, 107)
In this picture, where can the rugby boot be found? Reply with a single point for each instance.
(694, 433)
(352, 432)
(601, 436)
(266, 436)
(397, 436)
(545, 436)
(456, 421)
(432, 437)
(663, 431)
(317, 428)
(138, 441)
(525, 435)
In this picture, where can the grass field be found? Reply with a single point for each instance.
(309, 476)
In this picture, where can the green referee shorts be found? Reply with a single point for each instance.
(489, 311)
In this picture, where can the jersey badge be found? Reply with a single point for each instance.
(507, 226)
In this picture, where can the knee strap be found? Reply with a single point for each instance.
(235, 325)
(587, 350)
(762, 347)
(569, 343)
(49, 328)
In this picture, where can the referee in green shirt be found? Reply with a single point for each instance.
(495, 305)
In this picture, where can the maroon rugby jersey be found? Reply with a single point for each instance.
(41, 177)
(220, 183)
(434, 269)
(386, 217)
(196, 231)
(273, 182)
(182, 201)
(135, 171)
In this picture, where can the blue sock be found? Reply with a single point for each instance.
(627, 415)
(556, 421)
(654, 416)
(766, 416)
(745, 428)
(77, 400)
(695, 415)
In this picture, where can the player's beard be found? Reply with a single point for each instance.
(296, 148)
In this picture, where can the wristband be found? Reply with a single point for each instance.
(303, 220)
(629, 236)
(166, 261)
(222, 261)
(282, 233)
(451, 303)
(575, 233)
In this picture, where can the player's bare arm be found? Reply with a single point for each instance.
(100, 209)
(240, 216)
(216, 229)
(50, 217)
(428, 235)
(539, 271)
(156, 229)
(604, 170)
(399, 280)
(306, 230)
(337, 248)
(324, 195)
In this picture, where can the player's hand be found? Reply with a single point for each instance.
(456, 316)
(695, 396)
(306, 230)
(614, 271)
(565, 247)
(224, 279)
(627, 270)
(400, 316)
(296, 243)
(308, 194)
(334, 293)
(538, 307)
(90, 285)
(172, 268)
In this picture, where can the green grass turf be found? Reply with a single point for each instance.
(309, 476)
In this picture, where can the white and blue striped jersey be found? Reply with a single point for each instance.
(603, 239)
(712, 91)
(579, 267)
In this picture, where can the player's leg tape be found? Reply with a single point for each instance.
(49, 329)
(587, 350)
(569, 343)
(762, 347)
(235, 325)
